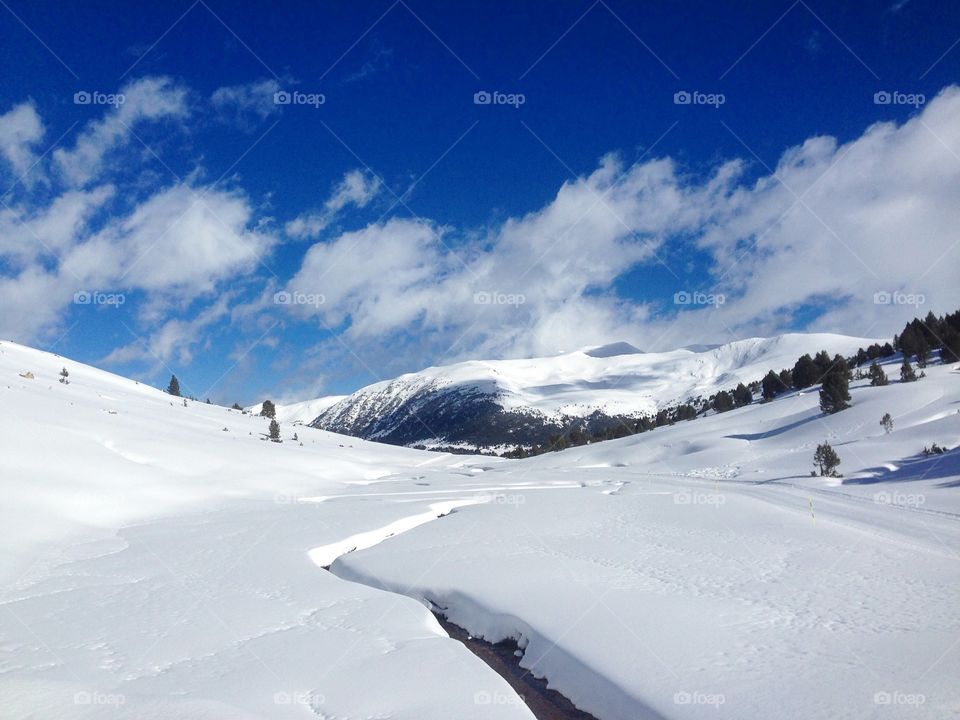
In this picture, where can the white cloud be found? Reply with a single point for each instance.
(175, 340)
(246, 104)
(181, 240)
(356, 188)
(28, 234)
(20, 131)
(147, 99)
(877, 213)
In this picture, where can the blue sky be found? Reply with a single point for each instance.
(413, 226)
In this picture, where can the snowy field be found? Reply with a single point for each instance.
(163, 561)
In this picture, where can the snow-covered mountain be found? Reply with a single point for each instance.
(502, 403)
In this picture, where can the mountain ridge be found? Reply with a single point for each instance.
(499, 404)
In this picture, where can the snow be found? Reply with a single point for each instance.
(617, 378)
(303, 412)
(155, 565)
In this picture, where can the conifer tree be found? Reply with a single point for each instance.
(771, 385)
(906, 371)
(742, 395)
(877, 376)
(805, 372)
(174, 387)
(835, 391)
(722, 401)
(886, 422)
(826, 460)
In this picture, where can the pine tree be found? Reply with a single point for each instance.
(906, 371)
(722, 401)
(786, 378)
(835, 391)
(275, 431)
(877, 376)
(63, 377)
(886, 422)
(742, 395)
(771, 385)
(174, 387)
(823, 363)
(950, 353)
(923, 351)
(805, 372)
(236, 406)
(826, 460)
(908, 341)
(268, 410)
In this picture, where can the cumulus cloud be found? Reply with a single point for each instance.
(827, 228)
(20, 131)
(180, 240)
(535, 284)
(355, 189)
(144, 100)
(179, 244)
(842, 222)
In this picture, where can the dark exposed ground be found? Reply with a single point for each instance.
(502, 657)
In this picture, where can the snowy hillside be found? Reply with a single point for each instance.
(163, 561)
(300, 412)
(505, 402)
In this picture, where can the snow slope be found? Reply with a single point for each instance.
(155, 565)
(302, 412)
(614, 380)
(158, 566)
(699, 571)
